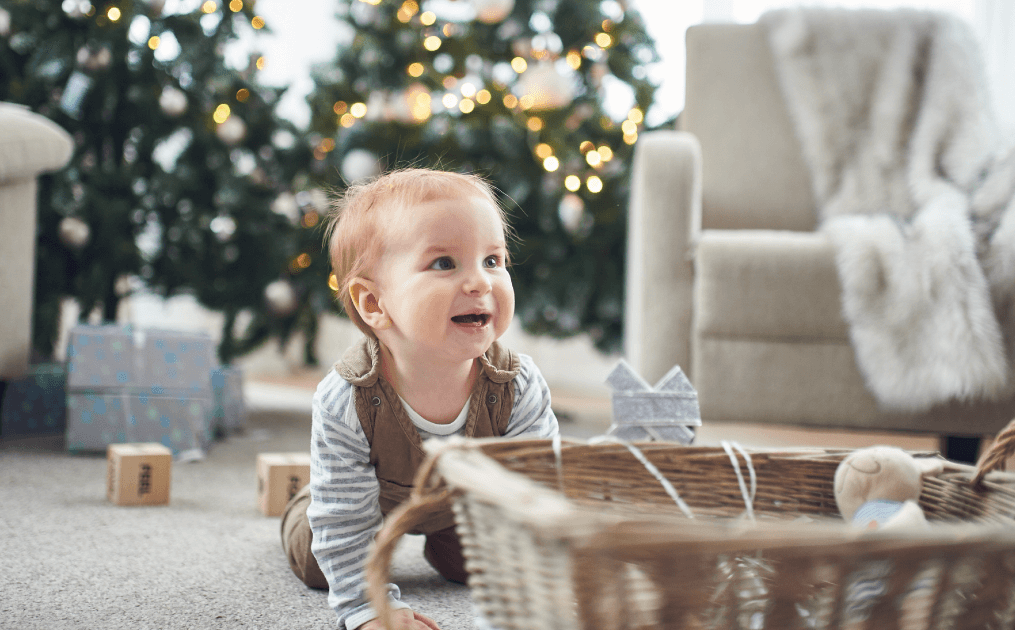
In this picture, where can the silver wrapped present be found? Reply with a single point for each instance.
(667, 412)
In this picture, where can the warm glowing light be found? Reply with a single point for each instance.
(449, 82)
(347, 120)
(113, 14)
(318, 154)
(574, 59)
(572, 183)
(593, 158)
(468, 90)
(311, 219)
(235, 5)
(209, 6)
(257, 22)
(373, 2)
(528, 101)
(594, 184)
(448, 30)
(327, 145)
(467, 105)
(340, 107)
(303, 260)
(519, 65)
(510, 101)
(551, 164)
(630, 138)
(449, 100)
(221, 113)
(359, 110)
(421, 106)
(586, 146)
(416, 69)
(483, 97)
(544, 150)
(154, 41)
(635, 115)
(333, 282)
(607, 25)
(432, 43)
(603, 40)
(428, 18)
(629, 127)
(259, 64)
(242, 94)
(534, 123)
(606, 153)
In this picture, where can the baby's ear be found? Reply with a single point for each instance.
(929, 466)
(366, 299)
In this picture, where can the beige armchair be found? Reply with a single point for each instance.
(29, 145)
(726, 275)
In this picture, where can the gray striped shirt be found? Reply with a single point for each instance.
(345, 514)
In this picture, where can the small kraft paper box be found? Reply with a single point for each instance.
(279, 477)
(139, 474)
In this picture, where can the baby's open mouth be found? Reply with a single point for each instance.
(471, 318)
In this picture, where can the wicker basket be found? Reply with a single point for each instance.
(579, 535)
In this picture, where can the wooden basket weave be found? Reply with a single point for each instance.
(578, 535)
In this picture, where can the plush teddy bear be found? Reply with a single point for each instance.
(878, 487)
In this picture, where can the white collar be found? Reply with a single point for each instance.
(432, 427)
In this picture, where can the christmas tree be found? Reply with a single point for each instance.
(183, 176)
(513, 90)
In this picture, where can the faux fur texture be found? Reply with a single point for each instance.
(895, 124)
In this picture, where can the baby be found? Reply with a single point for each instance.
(421, 261)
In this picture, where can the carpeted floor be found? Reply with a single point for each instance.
(207, 560)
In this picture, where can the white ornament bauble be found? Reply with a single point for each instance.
(571, 211)
(285, 205)
(359, 164)
(92, 59)
(5, 23)
(492, 11)
(280, 296)
(232, 130)
(223, 226)
(172, 102)
(549, 85)
(74, 232)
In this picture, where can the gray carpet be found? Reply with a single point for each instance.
(207, 560)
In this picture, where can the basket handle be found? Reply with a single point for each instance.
(999, 452)
(426, 498)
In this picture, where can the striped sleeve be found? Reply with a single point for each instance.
(344, 511)
(531, 415)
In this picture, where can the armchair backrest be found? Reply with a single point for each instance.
(753, 173)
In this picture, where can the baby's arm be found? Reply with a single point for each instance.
(531, 414)
(345, 513)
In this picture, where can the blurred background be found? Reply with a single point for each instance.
(209, 133)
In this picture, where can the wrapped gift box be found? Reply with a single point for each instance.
(35, 404)
(138, 386)
(229, 415)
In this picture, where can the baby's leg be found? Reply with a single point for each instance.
(296, 539)
(443, 551)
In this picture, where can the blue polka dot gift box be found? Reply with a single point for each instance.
(35, 404)
(127, 385)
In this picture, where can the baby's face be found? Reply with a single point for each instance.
(442, 279)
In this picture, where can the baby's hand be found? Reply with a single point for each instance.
(403, 619)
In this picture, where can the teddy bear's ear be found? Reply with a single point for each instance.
(929, 466)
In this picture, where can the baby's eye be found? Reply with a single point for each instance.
(443, 264)
(492, 262)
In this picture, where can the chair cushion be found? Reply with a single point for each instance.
(753, 173)
(767, 284)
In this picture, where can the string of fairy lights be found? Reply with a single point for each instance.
(463, 97)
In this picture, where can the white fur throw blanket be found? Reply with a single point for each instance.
(895, 124)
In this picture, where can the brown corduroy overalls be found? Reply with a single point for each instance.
(396, 452)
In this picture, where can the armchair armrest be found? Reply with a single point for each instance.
(30, 144)
(664, 218)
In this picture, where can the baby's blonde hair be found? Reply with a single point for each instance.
(353, 229)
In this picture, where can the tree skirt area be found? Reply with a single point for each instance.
(209, 559)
